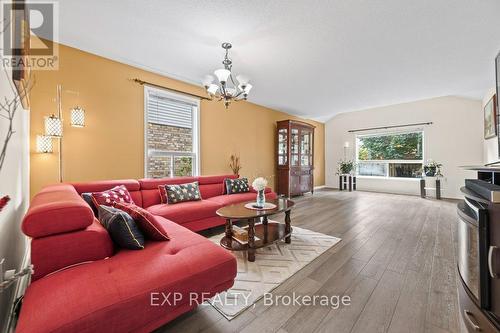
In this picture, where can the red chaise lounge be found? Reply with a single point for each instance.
(83, 283)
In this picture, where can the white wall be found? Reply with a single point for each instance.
(490, 146)
(454, 139)
(14, 181)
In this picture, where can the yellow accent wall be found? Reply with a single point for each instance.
(111, 145)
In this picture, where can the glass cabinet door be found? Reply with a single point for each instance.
(305, 148)
(282, 146)
(294, 147)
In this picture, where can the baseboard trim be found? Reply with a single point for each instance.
(20, 288)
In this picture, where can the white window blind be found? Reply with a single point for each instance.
(167, 111)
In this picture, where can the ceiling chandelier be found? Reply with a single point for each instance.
(228, 89)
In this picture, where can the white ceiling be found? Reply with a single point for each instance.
(311, 58)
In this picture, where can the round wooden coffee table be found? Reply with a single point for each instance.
(268, 232)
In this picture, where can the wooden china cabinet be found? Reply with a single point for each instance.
(295, 157)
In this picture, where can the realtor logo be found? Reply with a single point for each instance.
(27, 30)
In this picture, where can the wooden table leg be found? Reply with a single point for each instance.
(288, 227)
(251, 240)
(264, 223)
(229, 229)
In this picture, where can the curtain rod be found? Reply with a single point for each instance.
(142, 82)
(387, 127)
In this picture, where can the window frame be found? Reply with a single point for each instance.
(387, 162)
(195, 154)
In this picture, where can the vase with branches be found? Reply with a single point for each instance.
(234, 164)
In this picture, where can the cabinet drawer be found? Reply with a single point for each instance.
(474, 319)
(300, 172)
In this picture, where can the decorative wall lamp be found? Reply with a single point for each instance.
(44, 144)
(54, 129)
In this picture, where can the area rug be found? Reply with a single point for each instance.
(273, 265)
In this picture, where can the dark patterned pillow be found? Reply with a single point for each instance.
(121, 227)
(173, 194)
(234, 186)
(88, 199)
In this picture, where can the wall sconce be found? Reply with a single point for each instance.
(53, 126)
(77, 117)
(44, 144)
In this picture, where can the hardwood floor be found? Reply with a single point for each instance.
(396, 261)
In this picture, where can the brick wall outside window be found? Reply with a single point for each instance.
(169, 138)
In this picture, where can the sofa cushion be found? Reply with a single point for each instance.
(172, 194)
(115, 295)
(56, 252)
(225, 199)
(209, 186)
(121, 227)
(146, 221)
(55, 211)
(116, 194)
(211, 190)
(186, 211)
(239, 185)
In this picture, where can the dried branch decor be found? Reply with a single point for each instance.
(234, 164)
(10, 103)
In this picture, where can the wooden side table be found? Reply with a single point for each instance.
(347, 182)
(424, 188)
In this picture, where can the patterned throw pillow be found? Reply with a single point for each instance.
(87, 197)
(234, 186)
(146, 221)
(173, 194)
(121, 228)
(118, 193)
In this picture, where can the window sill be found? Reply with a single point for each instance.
(389, 178)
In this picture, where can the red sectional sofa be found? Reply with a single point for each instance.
(83, 283)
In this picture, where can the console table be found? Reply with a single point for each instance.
(347, 182)
(424, 188)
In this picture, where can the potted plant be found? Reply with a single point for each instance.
(432, 168)
(345, 167)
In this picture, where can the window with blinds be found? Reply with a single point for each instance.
(171, 134)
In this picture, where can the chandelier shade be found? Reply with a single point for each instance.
(222, 75)
(228, 88)
(53, 126)
(212, 89)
